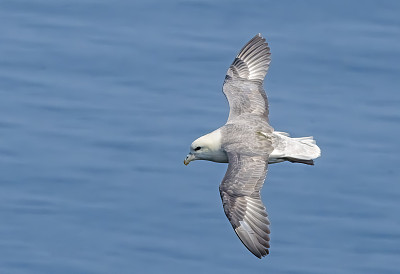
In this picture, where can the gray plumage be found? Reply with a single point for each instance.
(248, 143)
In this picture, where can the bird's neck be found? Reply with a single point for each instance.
(216, 153)
(213, 140)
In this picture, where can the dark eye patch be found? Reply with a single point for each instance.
(197, 148)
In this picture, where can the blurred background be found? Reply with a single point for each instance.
(100, 101)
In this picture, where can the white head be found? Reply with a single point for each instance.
(207, 147)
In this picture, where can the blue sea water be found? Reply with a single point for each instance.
(100, 100)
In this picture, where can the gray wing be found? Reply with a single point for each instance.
(240, 194)
(243, 82)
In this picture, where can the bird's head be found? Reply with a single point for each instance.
(207, 147)
(199, 150)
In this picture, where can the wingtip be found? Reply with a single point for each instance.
(252, 62)
(250, 241)
(262, 255)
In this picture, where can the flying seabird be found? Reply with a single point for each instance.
(248, 143)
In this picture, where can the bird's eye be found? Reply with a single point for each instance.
(197, 148)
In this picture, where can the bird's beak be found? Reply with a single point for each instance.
(190, 157)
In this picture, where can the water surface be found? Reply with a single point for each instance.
(100, 101)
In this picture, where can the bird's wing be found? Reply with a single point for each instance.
(243, 82)
(240, 194)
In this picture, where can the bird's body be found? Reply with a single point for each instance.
(248, 143)
(297, 150)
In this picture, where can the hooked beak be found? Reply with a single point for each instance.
(190, 157)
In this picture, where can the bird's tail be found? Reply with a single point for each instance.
(296, 150)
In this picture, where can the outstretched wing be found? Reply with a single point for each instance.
(244, 78)
(240, 194)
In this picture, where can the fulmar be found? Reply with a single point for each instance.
(248, 143)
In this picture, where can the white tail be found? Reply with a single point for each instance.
(299, 150)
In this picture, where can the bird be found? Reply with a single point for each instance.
(248, 144)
